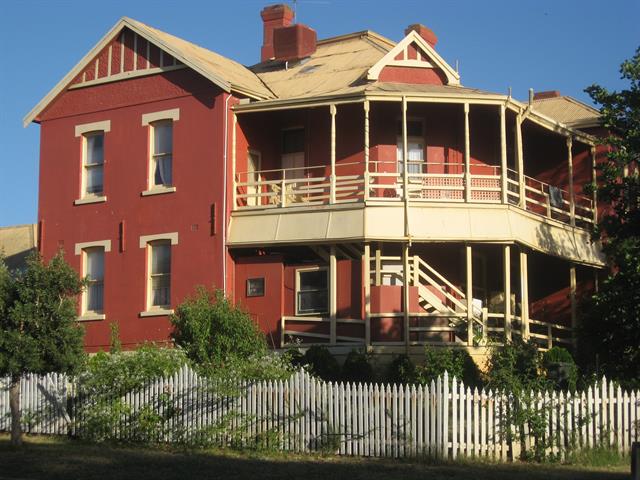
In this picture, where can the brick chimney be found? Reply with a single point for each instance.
(547, 94)
(294, 43)
(273, 16)
(424, 32)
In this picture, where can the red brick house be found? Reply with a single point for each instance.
(347, 191)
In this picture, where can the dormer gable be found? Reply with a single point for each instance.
(413, 60)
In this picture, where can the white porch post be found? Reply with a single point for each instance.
(520, 159)
(467, 156)
(406, 282)
(524, 294)
(332, 194)
(366, 279)
(469, 293)
(234, 190)
(572, 200)
(506, 251)
(333, 290)
(574, 303)
(503, 155)
(366, 150)
(594, 179)
(405, 148)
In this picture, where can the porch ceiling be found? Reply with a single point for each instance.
(427, 223)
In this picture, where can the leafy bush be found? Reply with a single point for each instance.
(261, 366)
(211, 329)
(515, 367)
(560, 368)
(437, 360)
(109, 375)
(321, 363)
(357, 368)
(401, 370)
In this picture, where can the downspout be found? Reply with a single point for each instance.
(224, 197)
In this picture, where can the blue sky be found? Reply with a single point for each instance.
(543, 44)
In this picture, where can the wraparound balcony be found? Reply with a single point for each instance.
(380, 182)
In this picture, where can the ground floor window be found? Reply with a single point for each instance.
(312, 295)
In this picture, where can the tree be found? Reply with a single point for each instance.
(37, 321)
(211, 329)
(612, 324)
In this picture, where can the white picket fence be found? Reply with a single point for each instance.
(445, 419)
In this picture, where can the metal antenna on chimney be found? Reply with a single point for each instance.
(295, 10)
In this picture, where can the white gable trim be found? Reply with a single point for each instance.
(111, 34)
(432, 60)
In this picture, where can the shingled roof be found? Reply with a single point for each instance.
(568, 110)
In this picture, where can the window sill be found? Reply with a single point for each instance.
(158, 191)
(83, 201)
(88, 317)
(158, 312)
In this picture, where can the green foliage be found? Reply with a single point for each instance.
(106, 375)
(515, 367)
(610, 337)
(37, 318)
(401, 370)
(560, 368)
(211, 329)
(438, 360)
(115, 345)
(321, 363)
(357, 368)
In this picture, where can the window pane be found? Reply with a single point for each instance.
(162, 174)
(293, 141)
(95, 297)
(313, 280)
(95, 149)
(312, 301)
(160, 258)
(161, 290)
(163, 138)
(94, 180)
(95, 264)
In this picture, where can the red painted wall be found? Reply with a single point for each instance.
(429, 76)
(197, 166)
(266, 310)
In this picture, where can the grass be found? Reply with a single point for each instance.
(56, 458)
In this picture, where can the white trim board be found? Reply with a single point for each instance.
(145, 239)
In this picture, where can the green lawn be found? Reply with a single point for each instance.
(48, 458)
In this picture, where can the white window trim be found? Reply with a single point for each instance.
(158, 190)
(297, 290)
(106, 244)
(85, 200)
(104, 125)
(173, 114)
(145, 239)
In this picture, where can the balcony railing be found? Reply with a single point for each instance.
(426, 182)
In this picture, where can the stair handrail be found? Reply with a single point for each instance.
(440, 277)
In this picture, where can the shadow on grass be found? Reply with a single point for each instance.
(65, 459)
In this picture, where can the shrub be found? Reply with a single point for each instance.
(437, 360)
(401, 370)
(211, 329)
(515, 367)
(357, 368)
(560, 368)
(321, 363)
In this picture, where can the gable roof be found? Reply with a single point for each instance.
(228, 74)
(569, 111)
(434, 60)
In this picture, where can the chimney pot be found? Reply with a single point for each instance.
(273, 16)
(424, 32)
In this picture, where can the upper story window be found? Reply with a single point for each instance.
(161, 126)
(93, 160)
(162, 154)
(415, 147)
(312, 291)
(93, 163)
(293, 148)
